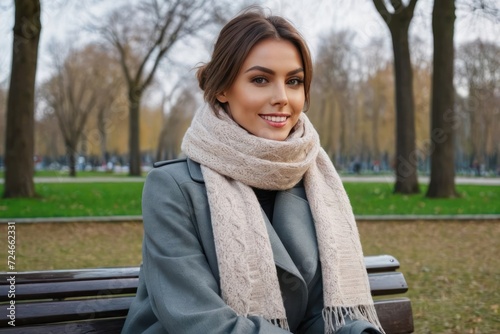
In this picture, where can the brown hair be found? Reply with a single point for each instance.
(235, 41)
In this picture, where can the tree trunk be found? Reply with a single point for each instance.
(442, 181)
(19, 141)
(71, 155)
(160, 150)
(406, 160)
(406, 157)
(375, 133)
(344, 150)
(134, 135)
(101, 127)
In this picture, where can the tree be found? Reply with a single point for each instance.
(3, 114)
(80, 86)
(478, 71)
(335, 70)
(175, 123)
(405, 162)
(376, 95)
(111, 87)
(143, 36)
(442, 181)
(19, 141)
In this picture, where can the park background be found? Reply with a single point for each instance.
(446, 246)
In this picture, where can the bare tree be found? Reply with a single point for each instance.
(474, 9)
(49, 143)
(77, 89)
(442, 181)
(376, 104)
(335, 68)
(19, 141)
(175, 123)
(142, 36)
(478, 70)
(398, 23)
(110, 88)
(374, 92)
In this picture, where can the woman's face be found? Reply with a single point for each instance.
(268, 95)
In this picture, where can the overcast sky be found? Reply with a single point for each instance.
(64, 19)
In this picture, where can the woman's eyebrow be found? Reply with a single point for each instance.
(268, 70)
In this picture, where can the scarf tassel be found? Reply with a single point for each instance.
(281, 323)
(335, 317)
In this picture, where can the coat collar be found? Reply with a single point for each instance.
(194, 169)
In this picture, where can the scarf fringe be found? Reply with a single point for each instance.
(281, 323)
(335, 317)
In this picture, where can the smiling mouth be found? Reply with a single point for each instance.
(275, 119)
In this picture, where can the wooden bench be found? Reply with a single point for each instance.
(97, 300)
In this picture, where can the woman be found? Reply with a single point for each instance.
(253, 232)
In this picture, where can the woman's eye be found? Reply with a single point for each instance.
(259, 80)
(295, 82)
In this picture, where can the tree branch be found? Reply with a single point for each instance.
(382, 10)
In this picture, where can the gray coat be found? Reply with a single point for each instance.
(179, 290)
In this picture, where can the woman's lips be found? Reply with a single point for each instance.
(275, 121)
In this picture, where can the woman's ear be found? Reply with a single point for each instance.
(221, 97)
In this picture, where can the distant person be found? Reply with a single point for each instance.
(376, 166)
(253, 232)
(476, 167)
(357, 167)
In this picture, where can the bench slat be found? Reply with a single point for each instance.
(395, 315)
(72, 275)
(377, 263)
(94, 309)
(69, 310)
(108, 326)
(380, 284)
(62, 290)
(387, 283)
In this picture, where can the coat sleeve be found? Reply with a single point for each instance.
(183, 292)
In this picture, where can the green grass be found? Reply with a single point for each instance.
(74, 200)
(452, 268)
(108, 199)
(56, 173)
(378, 199)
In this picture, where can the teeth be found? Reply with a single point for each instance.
(277, 119)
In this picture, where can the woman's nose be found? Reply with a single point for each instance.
(280, 96)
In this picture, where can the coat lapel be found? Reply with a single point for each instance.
(293, 224)
(280, 254)
(291, 234)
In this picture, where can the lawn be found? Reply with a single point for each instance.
(452, 268)
(124, 198)
(76, 200)
(65, 173)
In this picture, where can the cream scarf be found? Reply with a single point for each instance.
(232, 161)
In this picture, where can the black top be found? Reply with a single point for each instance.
(266, 199)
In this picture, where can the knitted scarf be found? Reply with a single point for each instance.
(232, 162)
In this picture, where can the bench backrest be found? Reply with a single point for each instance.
(97, 300)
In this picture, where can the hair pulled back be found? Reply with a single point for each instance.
(234, 43)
